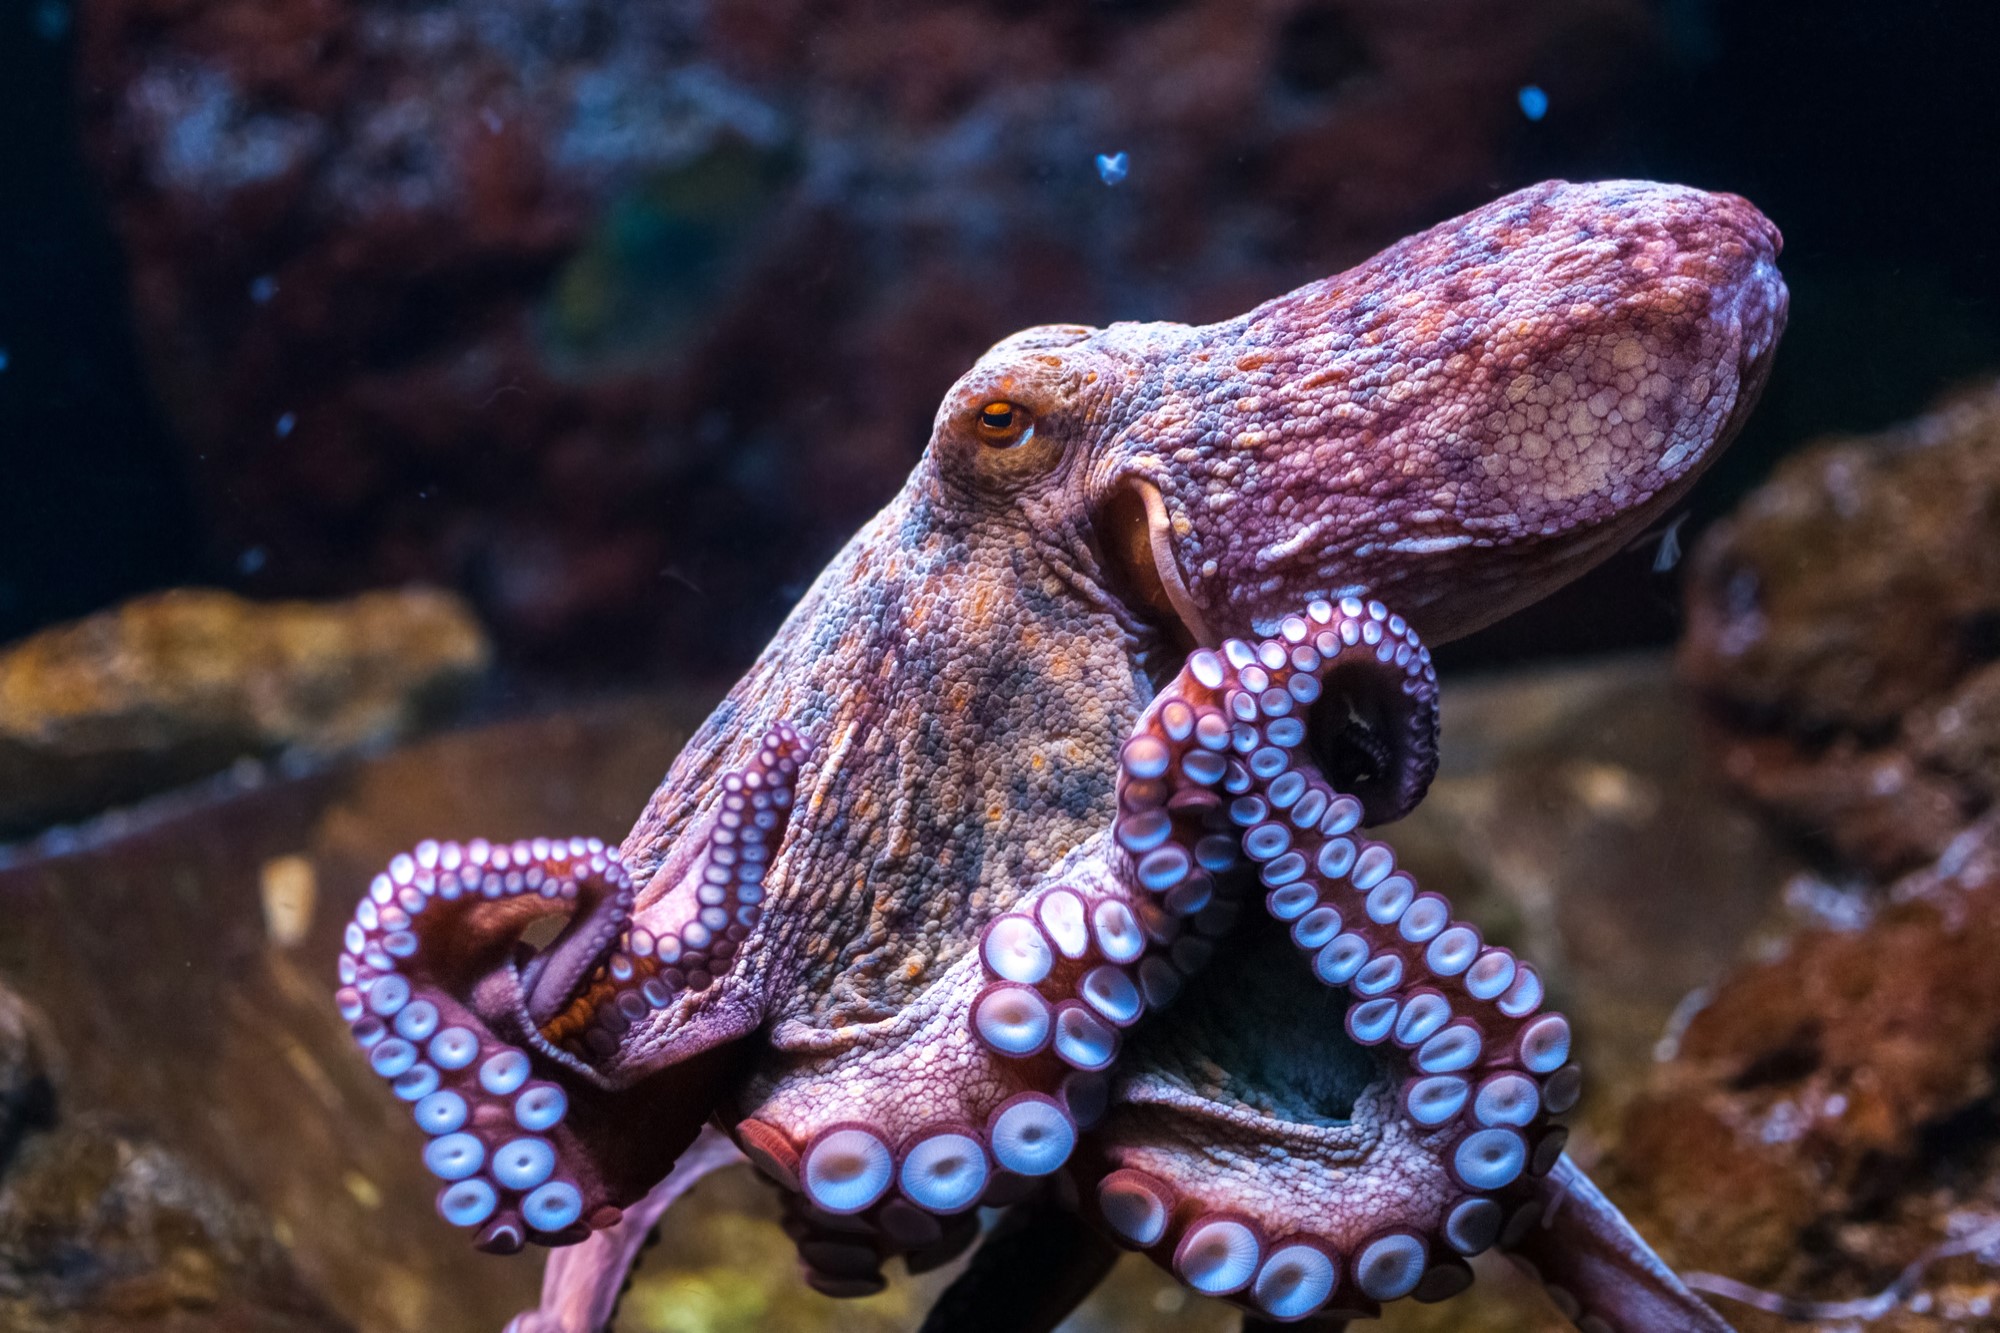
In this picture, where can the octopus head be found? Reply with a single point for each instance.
(1459, 425)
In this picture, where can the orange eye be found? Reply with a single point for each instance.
(1004, 425)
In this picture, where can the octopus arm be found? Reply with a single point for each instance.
(1597, 1269)
(527, 1068)
(1357, 1093)
(581, 1285)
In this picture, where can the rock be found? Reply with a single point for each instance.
(1843, 626)
(619, 317)
(1831, 1115)
(176, 685)
(104, 1229)
(101, 1230)
(27, 1074)
(1830, 1119)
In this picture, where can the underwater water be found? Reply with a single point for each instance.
(1096, 908)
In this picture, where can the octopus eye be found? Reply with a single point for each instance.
(1005, 425)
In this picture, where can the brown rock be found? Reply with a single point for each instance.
(1831, 1115)
(1958, 735)
(101, 1230)
(1829, 1118)
(618, 317)
(169, 687)
(1842, 626)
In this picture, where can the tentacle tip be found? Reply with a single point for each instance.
(500, 1236)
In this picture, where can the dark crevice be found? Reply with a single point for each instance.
(26, 1108)
(1953, 1145)
(1353, 733)
(1354, 752)
(1794, 1059)
(1957, 1153)
(1979, 636)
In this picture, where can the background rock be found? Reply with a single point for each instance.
(1831, 1115)
(620, 317)
(170, 687)
(102, 1229)
(99, 1230)
(1844, 626)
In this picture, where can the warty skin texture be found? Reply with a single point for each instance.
(1454, 427)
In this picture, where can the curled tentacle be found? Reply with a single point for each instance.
(1074, 967)
(1481, 1052)
(501, 1051)
(1315, 1141)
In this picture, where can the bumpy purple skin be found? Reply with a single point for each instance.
(1454, 428)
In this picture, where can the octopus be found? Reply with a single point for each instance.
(1029, 866)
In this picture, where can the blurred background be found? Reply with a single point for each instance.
(619, 318)
(414, 412)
